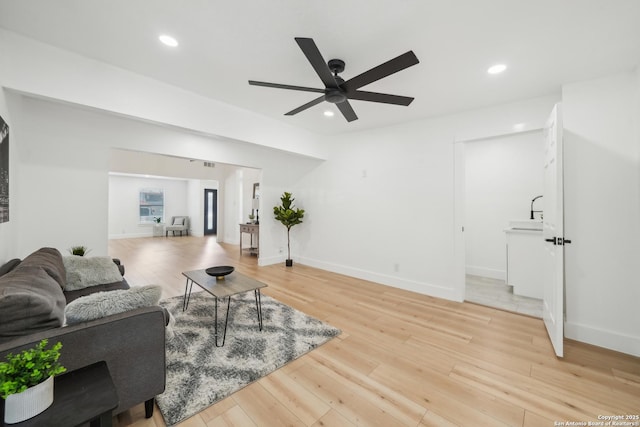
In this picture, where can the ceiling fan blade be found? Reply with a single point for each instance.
(347, 111)
(280, 86)
(384, 98)
(392, 66)
(310, 104)
(318, 63)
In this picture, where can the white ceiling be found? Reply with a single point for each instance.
(223, 44)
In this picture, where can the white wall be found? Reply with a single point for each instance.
(383, 207)
(61, 182)
(602, 211)
(384, 211)
(195, 207)
(124, 196)
(233, 203)
(502, 175)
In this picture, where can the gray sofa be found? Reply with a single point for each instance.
(32, 301)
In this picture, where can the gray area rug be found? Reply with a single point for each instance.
(200, 374)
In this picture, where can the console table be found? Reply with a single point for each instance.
(84, 395)
(252, 229)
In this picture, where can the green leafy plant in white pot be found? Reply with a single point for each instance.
(289, 216)
(26, 381)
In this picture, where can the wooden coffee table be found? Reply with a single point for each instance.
(233, 284)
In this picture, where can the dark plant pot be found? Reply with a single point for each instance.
(289, 263)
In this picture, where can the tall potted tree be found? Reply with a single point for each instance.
(289, 216)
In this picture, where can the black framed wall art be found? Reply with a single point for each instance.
(4, 171)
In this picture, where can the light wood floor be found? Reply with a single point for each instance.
(403, 359)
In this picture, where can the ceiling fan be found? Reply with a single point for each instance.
(337, 90)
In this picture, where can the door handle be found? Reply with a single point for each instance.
(558, 241)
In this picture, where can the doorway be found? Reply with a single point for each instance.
(499, 177)
(210, 211)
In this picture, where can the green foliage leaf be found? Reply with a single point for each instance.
(79, 250)
(29, 367)
(287, 213)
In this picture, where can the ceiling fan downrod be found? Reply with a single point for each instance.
(336, 95)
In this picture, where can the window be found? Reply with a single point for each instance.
(151, 205)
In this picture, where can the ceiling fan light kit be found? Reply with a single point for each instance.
(338, 91)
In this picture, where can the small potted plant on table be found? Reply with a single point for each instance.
(26, 381)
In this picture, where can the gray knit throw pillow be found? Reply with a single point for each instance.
(102, 304)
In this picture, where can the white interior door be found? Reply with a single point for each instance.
(553, 232)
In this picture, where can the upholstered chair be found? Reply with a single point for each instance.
(178, 223)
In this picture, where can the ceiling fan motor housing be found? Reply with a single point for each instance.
(335, 96)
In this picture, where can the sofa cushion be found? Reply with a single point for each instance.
(8, 266)
(49, 259)
(102, 304)
(30, 301)
(82, 272)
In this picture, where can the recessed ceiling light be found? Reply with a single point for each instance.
(496, 69)
(518, 127)
(328, 113)
(168, 40)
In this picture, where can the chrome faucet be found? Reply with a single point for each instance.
(532, 211)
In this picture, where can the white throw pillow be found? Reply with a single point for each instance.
(83, 272)
(107, 303)
(178, 221)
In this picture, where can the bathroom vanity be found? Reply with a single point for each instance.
(525, 257)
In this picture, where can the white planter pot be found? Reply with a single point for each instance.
(29, 403)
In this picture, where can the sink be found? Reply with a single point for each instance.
(525, 224)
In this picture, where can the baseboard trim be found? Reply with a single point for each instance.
(129, 235)
(383, 279)
(264, 261)
(491, 273)
(611, 340)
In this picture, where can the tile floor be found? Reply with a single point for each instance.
(496, 293)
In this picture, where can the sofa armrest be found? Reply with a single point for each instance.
(132, 344)
(117, 262)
